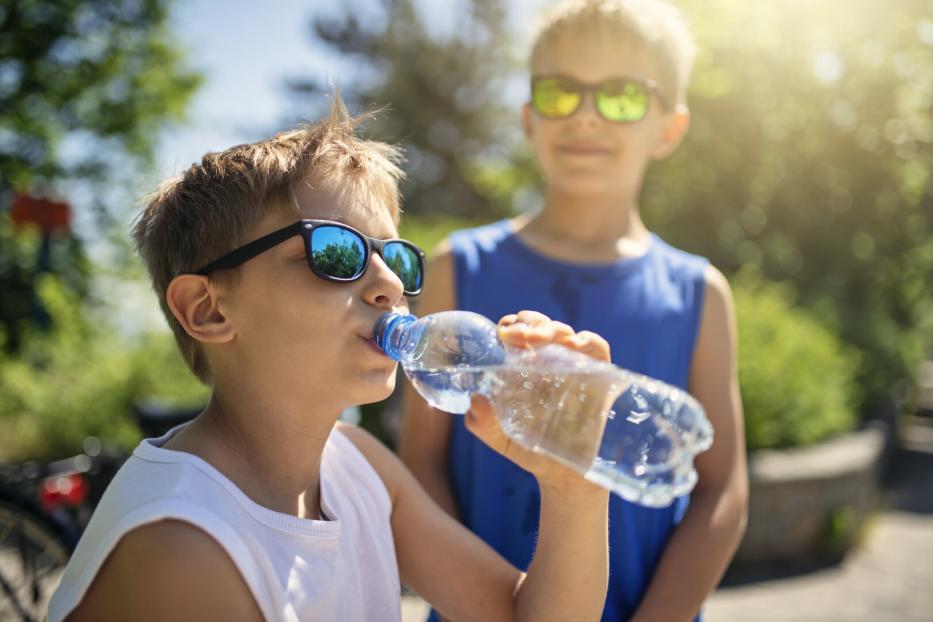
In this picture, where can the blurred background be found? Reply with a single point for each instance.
(807, 177)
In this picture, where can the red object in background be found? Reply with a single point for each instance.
(70, 490)
(49, 215)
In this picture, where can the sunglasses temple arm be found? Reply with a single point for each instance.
(248, 251)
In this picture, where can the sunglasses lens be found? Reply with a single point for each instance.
(622, 101)
(404, 261)
(337, 252)
(553, 97)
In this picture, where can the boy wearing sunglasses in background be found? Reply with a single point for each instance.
(608, 94)
(272, 263)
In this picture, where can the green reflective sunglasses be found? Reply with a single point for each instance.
(336, 252)
(620, 100)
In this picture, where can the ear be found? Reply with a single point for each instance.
(527, 122)
(675, 128)
(195, 304)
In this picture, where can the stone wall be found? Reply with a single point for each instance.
(808, 504)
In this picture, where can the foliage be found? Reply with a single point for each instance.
(444, 93)
(428, 231)
(809, 157)
(797, 379)
(84, 88)
(82, 378)
(105, 68)
(341, 259)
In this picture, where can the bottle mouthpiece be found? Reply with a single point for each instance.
(386, 333)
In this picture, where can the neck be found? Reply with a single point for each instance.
(271, 451)
(586, 227)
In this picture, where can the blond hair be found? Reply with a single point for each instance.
(216, 205)
(654, 24)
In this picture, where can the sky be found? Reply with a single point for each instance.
(247, 50)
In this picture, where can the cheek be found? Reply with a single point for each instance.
(303, 322)
(543, 133)
(543, 142)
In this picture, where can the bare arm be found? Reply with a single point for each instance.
(703, 544)
(169, 570)
(425, 432)
(462, 576)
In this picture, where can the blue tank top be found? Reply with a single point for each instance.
(648, 309)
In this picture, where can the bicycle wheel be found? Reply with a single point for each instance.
(33, 553)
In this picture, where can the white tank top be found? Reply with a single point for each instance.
(297, 569)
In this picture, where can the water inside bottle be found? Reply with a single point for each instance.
(619, 430)
(446, 388)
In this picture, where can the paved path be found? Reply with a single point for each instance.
(888, 578)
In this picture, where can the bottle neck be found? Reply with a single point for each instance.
(390, 334)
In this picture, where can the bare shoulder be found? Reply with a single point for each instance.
(158, 571)
(718, 291)
(717, 323)
(442, 251)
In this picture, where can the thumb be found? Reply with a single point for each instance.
(482, 422)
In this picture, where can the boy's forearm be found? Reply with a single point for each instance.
(569, 574)
(695, 559)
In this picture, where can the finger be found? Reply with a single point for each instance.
(561, 330)
(532, 318)
(538, 334)
(508, 320)
(514, 334)
(551, 332)
(589, 343)
(522, 335)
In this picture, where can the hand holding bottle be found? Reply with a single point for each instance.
(530, 329)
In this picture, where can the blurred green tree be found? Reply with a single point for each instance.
(447, 95)
(797, 377)
(84, 87)
(107, 69)
(810, 157)
(341, 259)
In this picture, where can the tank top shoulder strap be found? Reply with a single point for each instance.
(352, 471)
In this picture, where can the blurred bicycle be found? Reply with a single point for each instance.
(45, 507)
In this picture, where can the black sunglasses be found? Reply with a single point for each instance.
(336, 252)
(620, 100)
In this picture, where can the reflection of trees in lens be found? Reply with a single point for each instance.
(554, 97)
(404, 264)
(342, 260)
(623, 101)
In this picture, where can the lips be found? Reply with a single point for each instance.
(584, 149)
(372, 344)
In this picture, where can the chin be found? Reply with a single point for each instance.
(376, 389)
(584, 185)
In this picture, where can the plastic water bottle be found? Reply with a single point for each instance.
(632, 434)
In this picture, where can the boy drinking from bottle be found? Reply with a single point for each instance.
(272, 262)
(607, 97)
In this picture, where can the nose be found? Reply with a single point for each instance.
(382, 287)
(588, 107)
(587, 113)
